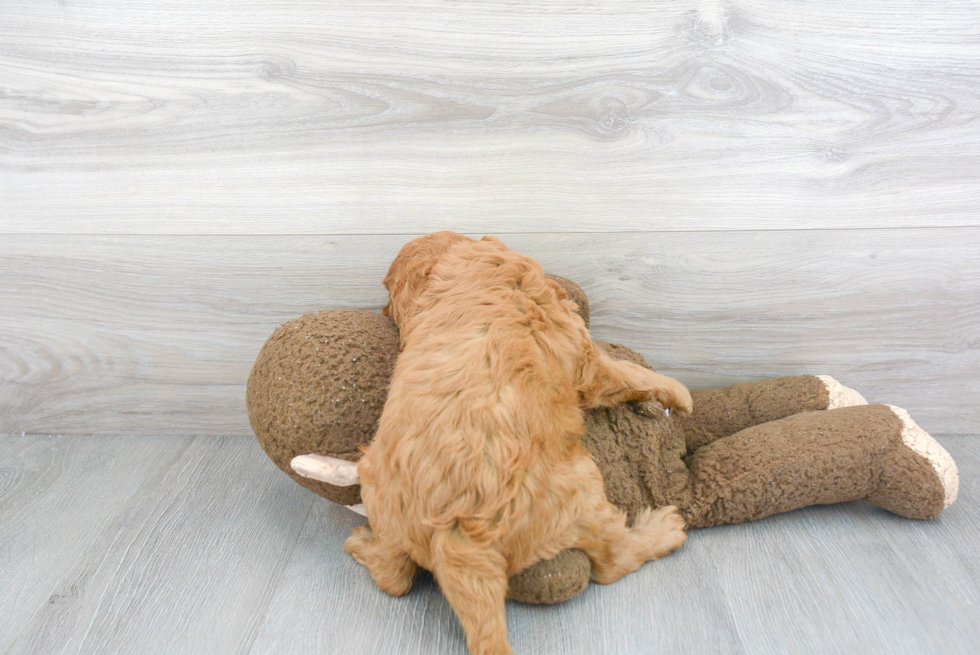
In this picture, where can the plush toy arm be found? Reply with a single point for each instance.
(719, 413)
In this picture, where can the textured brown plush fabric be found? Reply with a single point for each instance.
(805, 459)
(909, 486)
(722, 412)
(574, 292)
(318, 386)
(640, 456)
(552, 581)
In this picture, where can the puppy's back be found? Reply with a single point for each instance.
(483, 389)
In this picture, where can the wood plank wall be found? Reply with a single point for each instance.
(744, 189)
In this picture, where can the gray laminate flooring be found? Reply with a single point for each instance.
(116, 544)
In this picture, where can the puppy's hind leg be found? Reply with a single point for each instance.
(616, 550)
(391, 568)
(473, 577)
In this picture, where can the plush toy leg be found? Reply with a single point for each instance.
(903, 473)
(550, 581)
(719, 413)
(875, 452)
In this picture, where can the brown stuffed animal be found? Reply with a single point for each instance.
(748, 451)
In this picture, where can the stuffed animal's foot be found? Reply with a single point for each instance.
(839, 395)
(919, 479)
(874, 452)
(552, 581)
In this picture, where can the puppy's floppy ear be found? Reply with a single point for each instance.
(408, 274)
(405, 280)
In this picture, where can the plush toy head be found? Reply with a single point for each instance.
(318, 386)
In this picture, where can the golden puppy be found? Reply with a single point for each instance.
(477, 470)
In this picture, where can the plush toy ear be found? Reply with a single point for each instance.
(331, 470)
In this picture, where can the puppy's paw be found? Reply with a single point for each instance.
(662, 529)
(392, 569)
(677, 397)
(359, 542)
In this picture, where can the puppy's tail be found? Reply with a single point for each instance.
(473, 577)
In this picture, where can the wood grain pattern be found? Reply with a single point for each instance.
(405, 117)
(58, 496)
(157, 334)
(847, 547)
(186, 560)
(163, 545)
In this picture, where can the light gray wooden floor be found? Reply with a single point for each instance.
(122, 544)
